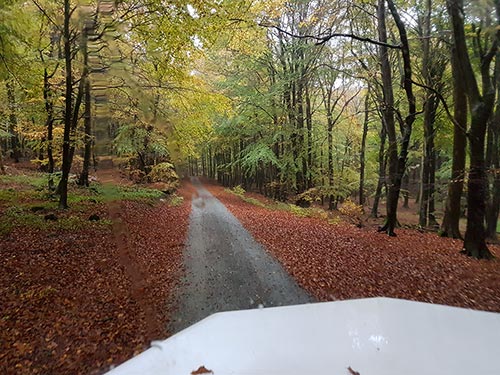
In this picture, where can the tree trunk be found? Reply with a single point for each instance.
(363, 151)
(68, 106)
(450, 225)
(481, 107)
(330, 161)
(406, 192)
(475, 235)
(14, 137)
(87, 122)
(427, 186)
(2, 167)
(49, 124)
(493, 162)
(397, 163)
(309, 182)
(388, 122)
(381, 172)
(432, 70)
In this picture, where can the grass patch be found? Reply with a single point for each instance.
(110, 192)
(282, 206)
(296, 210)
(35, 180)
(18, 216)
(174, 200)
(240, 192)
(25, 200)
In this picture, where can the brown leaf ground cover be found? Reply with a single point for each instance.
(78, 300)
(341, 261)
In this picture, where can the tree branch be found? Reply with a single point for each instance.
(46, 15)
(320, 40)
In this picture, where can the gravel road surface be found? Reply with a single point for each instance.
(226, 269)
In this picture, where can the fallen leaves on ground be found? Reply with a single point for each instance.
(202, 370)
(78, 302)
(336, 262)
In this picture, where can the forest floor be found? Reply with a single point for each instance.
(335, 260)
(79, 296)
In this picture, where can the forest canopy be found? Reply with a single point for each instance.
(310, 101)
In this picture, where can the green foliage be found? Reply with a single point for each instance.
(308, 197)
(140, 138)
(111, 192)
(174, 200)
(256, 155)
(163, 172)
(17, 216)
(165, 176)
(37, 181)
(352, 211)
(238, 190)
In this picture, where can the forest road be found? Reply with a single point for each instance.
(226, 269)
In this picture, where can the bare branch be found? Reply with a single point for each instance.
(320, 40)
(46, 15)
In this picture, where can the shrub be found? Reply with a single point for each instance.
(277, 190)
(163, 172)
(306, 198)
(175, 200)
(136, 175)
(352, 211)
(238, 190)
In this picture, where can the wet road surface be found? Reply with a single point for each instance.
(226, 269)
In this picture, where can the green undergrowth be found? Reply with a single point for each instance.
(25, 201)
(21, 217)
(110, 192)
(240, 192)
(174, 200)
(35, 180)
(281, 206)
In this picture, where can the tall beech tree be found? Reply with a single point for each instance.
(397, 161)
(68, 106)
(480, 106)
(451, 219)
(434, 63)
(493, 161)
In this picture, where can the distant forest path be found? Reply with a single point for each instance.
(226, 269)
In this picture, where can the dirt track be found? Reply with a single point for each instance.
(226, 269)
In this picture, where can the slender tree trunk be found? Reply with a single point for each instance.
(397, 163)
(330, 160)
(49, 124)
(14, 137)
(363, 151)
(475, 235)
(493, 162)
(309, 182)
(301, 158)
(431, 214)
(406, 192)
(450, 225)
(427, 186)
(2, 167)
(68, 107)
(87, 122)
(381, 172)
(432, 71)
(388, 122)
